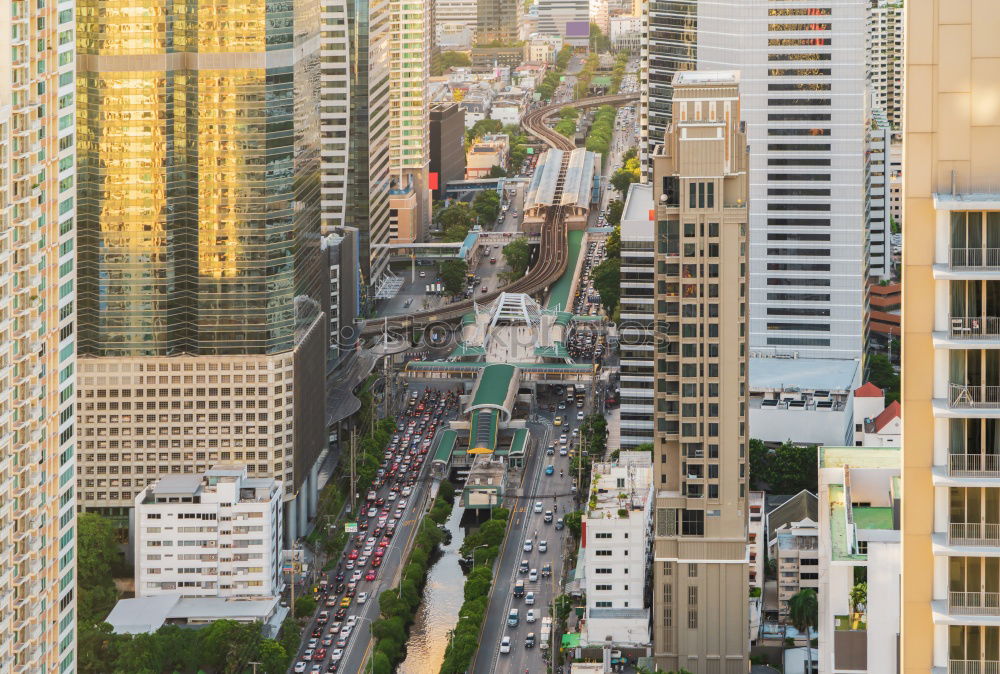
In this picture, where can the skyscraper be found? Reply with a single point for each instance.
(335, 40)
(951, 359)
(884, 58)
(202, 285)
(803, 87)
(496, 21)
(37, 237)
(412, 34)
(368, 181)
(700, 435)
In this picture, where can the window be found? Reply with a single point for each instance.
(602, 604)
(693, 523)
(603, 588)
(603, 534)
(603, 571)
(602, 553)
(804, 327)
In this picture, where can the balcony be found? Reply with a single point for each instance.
(974, 603)
(975, 258)
(974, 465)
(962, 396)
(974, 667)
(974, 327)
(973, 533)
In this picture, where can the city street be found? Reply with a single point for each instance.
(550, 490)
(357, 644)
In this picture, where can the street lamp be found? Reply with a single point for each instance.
(484, 545)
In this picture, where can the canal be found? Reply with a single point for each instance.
(438, 613)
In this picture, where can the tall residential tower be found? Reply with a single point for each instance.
(951, 339)
(37, 440)
(202, 285)
(700, 436)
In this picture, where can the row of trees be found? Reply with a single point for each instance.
(586, 75)
(787, 469)
(567, 122)
(457, 219)
(618, 71)
(552, 78)
(398, 606)
(465, 637)
(602, 130)
(446, 60)
(517, 255)
(628, 173)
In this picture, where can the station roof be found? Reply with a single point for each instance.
(520, 441)
(579, 179)
(557, 350)
(493, 387)
(559, 296)
(542, 188)
(445, 446)
(483, 431)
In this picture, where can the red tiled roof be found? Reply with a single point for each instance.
(892, 288)
(868, 390)
(888, 414)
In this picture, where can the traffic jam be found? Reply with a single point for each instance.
(350, 584)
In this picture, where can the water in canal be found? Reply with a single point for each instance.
(438, 613)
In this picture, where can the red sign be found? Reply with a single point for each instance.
(432, 180)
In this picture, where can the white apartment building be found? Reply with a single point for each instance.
(636, 339)
(335, 113)
(599, 15)
(618, 523)
(214, 534)
(882, 157)
(884, 58)
(451, 16)
(625, 32)
(553, 15)
(802, 75)
(859, 514)
(796, 548)
(38, 234)
(756, 541)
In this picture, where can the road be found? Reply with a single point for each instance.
(357, 647)
(536, 487)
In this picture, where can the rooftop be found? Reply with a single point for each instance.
(494, 384)
(803, 374)
(859, 457)
(872, 518)
(446, 445)
(178, 485)
(636, 471)
(636, 223)
(700, 77)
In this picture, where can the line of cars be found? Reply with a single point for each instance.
(588, 300)
(384, 508)
(528, 575)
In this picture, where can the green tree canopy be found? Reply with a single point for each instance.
(453, 273)
(449, 59)
(615, 209)
(456, 220)
(97, 555)
(803, 610)
(480, 129)
(787, 469)
(613, 246)
(573, 523)
(517, 255)
(487, 207)
(607, 283)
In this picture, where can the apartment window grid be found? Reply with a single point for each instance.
(150, 419)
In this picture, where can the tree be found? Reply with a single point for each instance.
(305, 606)
(456, 220)
(97, 647)
(615, 209)
(621, 179)
(803, 610)
(449, 59)
(381, 664)
(787, 469)
(273, 657)
(883, 374)
(291, 633)
(446, 490)
(607, 283)
(613, 246)
(859, 598)
(97, 555)
(453, 273)
(573, 523)
(497, 172)
(517, 255)
(480, 129)
(486, 205)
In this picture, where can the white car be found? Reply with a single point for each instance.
(533, 576)
(337, 654)
(407, 491)
(563, 439)
(527, 545)
(300, 667)
(312, 643)
(530, 617)
(538, 506)
(372, 512)
(307, 654)
(392, 496)
(363, 597)
(563, 451)
(356, 576)
(504, 646)
(351, 621)
(579, 416)
(543, 546)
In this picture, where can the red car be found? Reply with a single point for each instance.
(383, 543)
(319, 655)
(353, 554)
(379, 552)
(377, 562)
(370, 575)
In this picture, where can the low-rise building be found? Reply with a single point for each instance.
(808, 401)
(859, 511)
(796, 549)
(542, 48)
(217, 534)
(489, 151)
(509, 106)
(530, 75)
(756, 541)
(617, 526)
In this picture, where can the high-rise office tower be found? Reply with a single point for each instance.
(700, 549)
(368, 166)
(412, 34)
(951, 340)
(37, 209)
(553, 15)
(201, 280)
(803, 87)
(496, 21)
(884, 58)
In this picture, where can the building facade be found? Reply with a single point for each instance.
(636, 339)
(950, 621)
(368, 178)
(335, 114)
(447, 134)
(795, 547)
(37, 336)
(225, 526)
(884, 54)
(700, 551)
(860, 496)
(185, 211)
(496, 21)
(616, 551)
(880, 141)
(802, 71)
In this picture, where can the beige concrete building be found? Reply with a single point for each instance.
(700, 595)
(951, 339)
(37, 337)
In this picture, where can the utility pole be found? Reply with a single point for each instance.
(254, 664)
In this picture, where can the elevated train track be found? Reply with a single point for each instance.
(552, 250)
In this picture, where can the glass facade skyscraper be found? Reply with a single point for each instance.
(200, 246)
(198, 145)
